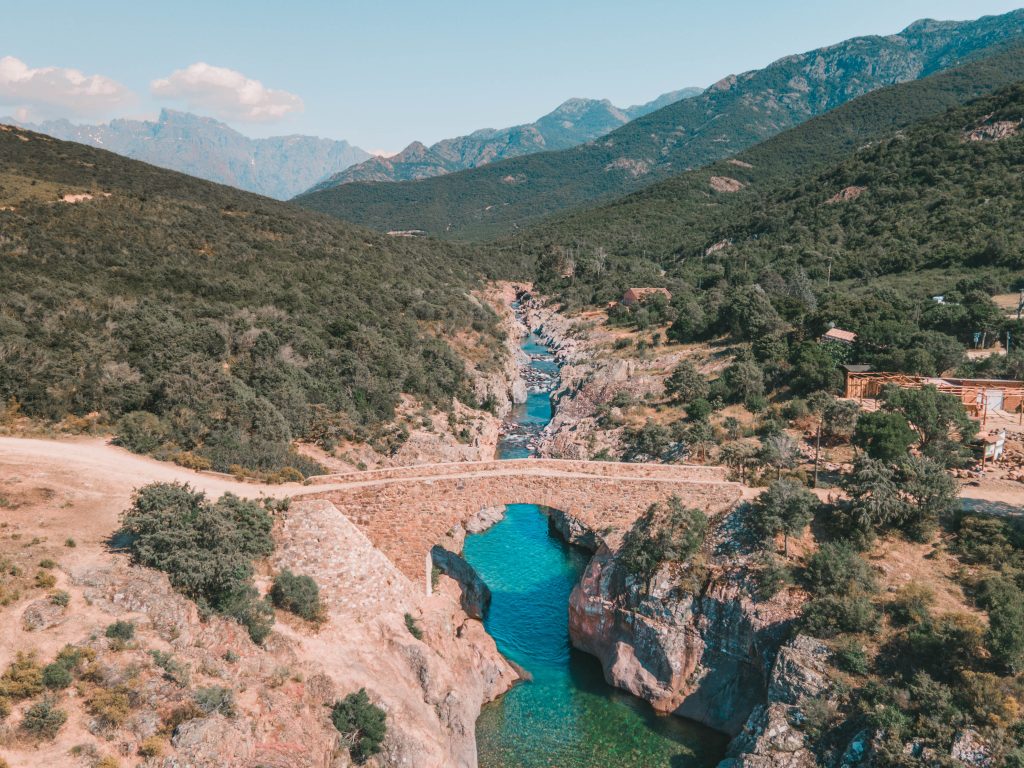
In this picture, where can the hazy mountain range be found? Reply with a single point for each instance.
(284, 166)
(280, 167)
(573, 122)
(733, 114)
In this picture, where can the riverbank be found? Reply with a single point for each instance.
(532, 560)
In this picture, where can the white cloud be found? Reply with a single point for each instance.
(226, 94)
(56, 91)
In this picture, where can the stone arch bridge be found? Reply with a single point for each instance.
(407, 510)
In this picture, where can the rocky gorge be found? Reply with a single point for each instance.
(694, 641)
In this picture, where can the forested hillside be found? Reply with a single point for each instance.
(209, 324)
(630, 241)
(733, 114)
(863, 245)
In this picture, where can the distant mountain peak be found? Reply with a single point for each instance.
(575, 121)
(280, 166)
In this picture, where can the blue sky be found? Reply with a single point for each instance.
(384, 73)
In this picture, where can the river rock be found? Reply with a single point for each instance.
(572, 530)
(476, 596)
(484, 519)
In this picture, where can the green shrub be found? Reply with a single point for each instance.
(836, 569)
(70, 543)
(831, 615)
(216, 699)
(669, 532)
(43, 720)
(912, 603)
(850, 656)
(205, 548)
(121, 630)
(173, 669)
(1004, 601)
(698, 410)
(61, 598)
(413, 627)
(47, 563)
(140, 432)
(56, 676)
(771, 577)
(362, 723)
(298, 594)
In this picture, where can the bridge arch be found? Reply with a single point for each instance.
(406, 511)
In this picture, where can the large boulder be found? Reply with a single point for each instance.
(40, 615)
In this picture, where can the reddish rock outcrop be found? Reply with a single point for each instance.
(692, 642)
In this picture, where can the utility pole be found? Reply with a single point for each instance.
(817, 451)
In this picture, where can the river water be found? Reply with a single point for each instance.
(566, 716)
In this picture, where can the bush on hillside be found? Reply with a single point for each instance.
(361, 723)
(665, 533)
(43, 720)
(787, 507)
(205, 548)
(298, 594)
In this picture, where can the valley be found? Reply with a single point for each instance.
(686, 435)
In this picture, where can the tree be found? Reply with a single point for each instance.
(840, 419)
(786, 507)
(875, 500)
(931, 494)
(362, 723)
(686, 383)
(699, 435)
(744, 381)
(649, 443)
(936, 416)
(780, 451)
(749, 313)
(816, 366)
(884, 435)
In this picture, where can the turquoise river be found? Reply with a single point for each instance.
(566, 716)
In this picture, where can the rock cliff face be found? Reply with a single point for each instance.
(699, 654)
(769, 738)
(432, 687)
(694, 642)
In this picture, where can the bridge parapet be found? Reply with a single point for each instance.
(678, 472)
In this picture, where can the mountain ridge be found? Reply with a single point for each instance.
(559, 129)
(736, 112)
(278, 166)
